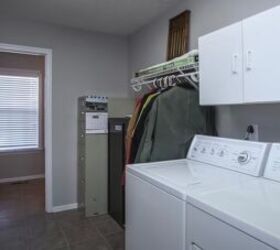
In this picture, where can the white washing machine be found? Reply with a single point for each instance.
(156, 192)
(243, 217)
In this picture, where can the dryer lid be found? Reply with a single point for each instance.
(253, 207)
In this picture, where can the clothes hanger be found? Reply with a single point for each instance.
(161, 83)
(172, 82)
(166, 82)
(191, 82)
(155, 83)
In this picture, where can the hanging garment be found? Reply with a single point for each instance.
(139, 128)
(132, 125)
(130, 129)
(173, 120)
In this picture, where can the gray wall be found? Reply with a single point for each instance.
(21, 164)
(83, 63)
(86, 63)
(148, 46)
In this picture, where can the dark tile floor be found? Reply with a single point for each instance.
(24, 224)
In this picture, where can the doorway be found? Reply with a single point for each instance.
(44, 140)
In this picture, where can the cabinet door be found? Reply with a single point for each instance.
(262, 57)
(221, 69)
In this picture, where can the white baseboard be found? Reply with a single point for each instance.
(22, 178)
(64, 207)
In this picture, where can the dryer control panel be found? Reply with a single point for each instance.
(239, 155)
(272, 169)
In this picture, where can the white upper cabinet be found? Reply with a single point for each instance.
(262, 57)
(221, 70)
(240, 63)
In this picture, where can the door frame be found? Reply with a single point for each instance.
(47, 53)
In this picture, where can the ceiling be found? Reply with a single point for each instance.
(109, 16)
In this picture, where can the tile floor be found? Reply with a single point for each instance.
(24, 224)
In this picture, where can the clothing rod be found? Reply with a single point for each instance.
(139, 82)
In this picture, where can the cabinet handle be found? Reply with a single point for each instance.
(249, 60)
(234, 64)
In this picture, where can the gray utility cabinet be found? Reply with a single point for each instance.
(93, 154)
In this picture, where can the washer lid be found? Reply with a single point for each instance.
(171, 176)
(253, 207)
(179, 177)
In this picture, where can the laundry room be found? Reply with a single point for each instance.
(139, 125)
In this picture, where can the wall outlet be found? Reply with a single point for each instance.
(255, 136)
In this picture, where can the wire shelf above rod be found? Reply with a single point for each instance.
(191, 75)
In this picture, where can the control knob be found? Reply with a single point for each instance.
(222, 153)
(244, 157)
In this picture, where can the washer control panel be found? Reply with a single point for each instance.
(239, 155)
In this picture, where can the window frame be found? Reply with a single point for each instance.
(29, 73)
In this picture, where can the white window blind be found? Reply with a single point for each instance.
(19, 112)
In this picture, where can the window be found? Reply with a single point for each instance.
(19, 112)
(178, 37)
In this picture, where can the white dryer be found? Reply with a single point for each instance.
(243, 217)
(156, 192)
